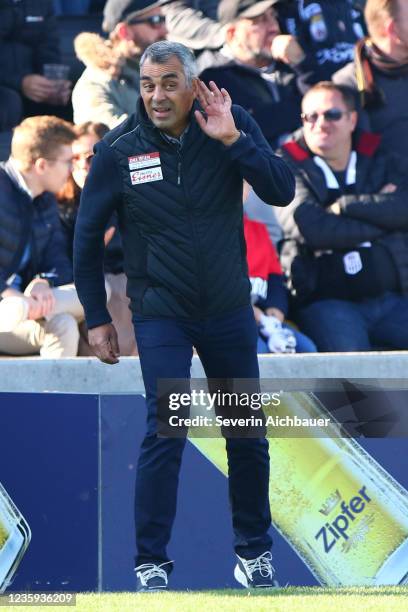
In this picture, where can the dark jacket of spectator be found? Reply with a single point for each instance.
(35, 223)
(383, 97)
(28, 39)
(68, 204)
(327, 32)
(271, 96)
(374, 224)
(171, 225)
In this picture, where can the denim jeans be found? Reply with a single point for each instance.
(227, 349)
(338, 325)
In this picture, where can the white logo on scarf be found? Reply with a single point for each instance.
(309, 11)
(352, 262)
(318, 29)
(358, 30)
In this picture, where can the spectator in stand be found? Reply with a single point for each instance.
(108, 89)
(194, 23)
(246, 69)
(322, 38)
(380, 72)
(34, 317)
(87, 135)
(269, 295)
(345, 234)
(29, 41)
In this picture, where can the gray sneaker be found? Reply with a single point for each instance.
(256, 573)
(151, 578)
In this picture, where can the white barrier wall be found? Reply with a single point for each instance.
(84, 375)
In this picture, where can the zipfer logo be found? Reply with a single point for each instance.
(332, 532)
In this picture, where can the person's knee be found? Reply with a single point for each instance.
(64, 329)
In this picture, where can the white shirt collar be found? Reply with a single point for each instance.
(20, 178)
(331, 180)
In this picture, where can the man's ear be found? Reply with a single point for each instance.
(194, 85)
(229, 32)
(354, 119)
(390, 28)
(122, 31)
(40, 165)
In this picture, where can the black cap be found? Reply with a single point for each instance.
(228, 10)
(116, 11)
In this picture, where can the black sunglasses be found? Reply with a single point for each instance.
(332, 114)
(153, 20)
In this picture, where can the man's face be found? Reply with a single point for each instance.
(56, 170)
(166, 96)
(251, 39)
(327, 123)
(145, 34)
(82, 150)
(400, 30)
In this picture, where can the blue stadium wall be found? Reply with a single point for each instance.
(68, 462)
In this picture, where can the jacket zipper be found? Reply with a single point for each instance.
(181, 183)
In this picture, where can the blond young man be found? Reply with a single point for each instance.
(34, 316)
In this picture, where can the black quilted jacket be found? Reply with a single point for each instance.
(182, 230)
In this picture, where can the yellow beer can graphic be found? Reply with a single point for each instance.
(15, 536)
(344, 515)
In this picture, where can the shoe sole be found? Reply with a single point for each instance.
(156, 590)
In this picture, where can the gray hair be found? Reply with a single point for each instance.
(160, 52)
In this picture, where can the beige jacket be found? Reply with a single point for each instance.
(97, 95)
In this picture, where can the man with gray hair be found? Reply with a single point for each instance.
(174, 173)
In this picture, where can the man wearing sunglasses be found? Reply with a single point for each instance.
(139, 21)
(108, 89)
(345, 233)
